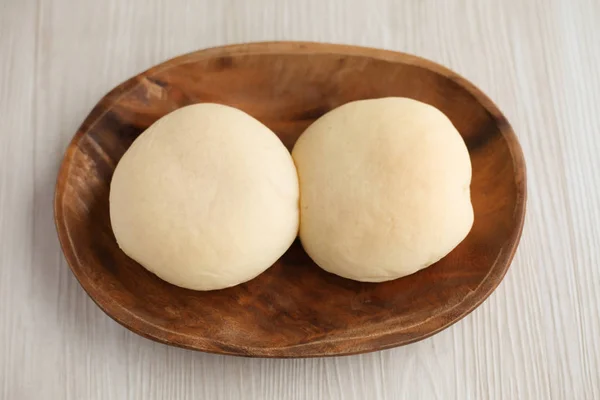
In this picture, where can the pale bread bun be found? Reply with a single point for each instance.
(384, 188)
(206, 198)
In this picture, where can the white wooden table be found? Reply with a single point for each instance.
(536, 337)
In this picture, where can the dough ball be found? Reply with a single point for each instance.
(384, 188)
(206, 198)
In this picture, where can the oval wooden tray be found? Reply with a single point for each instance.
(294, 309)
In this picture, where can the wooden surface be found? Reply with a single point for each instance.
(294, 309)
(536, 337)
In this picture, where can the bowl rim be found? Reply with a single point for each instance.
(161, 334)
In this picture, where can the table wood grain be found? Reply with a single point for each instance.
(536, 337)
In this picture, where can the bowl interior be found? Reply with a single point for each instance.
(294, 308)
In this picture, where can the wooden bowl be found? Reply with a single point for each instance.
(294, 309)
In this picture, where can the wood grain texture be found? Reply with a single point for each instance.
(536, 337)
(294, 309)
